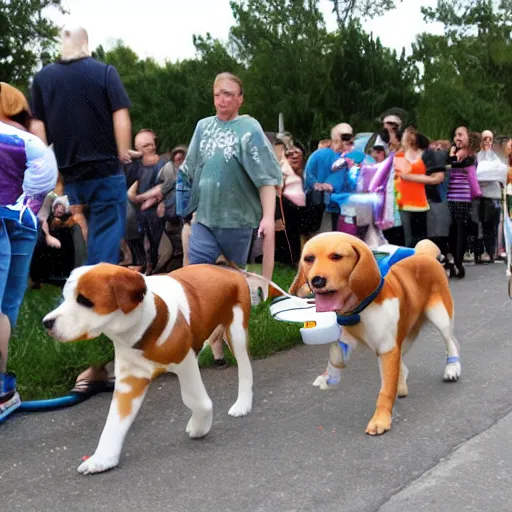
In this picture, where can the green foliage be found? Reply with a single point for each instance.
(26, 38)
(349, 10)
(289, 63)
(467, 70)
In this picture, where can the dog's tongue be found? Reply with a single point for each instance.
(339, 301)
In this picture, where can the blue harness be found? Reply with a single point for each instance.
(385, 261)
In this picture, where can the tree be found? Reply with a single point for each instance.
(467, 76)
(349, 10)
(27, 38)
(282, 45)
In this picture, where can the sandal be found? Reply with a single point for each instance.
(220, 364)
(86, 388)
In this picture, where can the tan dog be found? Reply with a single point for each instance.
(342, 272)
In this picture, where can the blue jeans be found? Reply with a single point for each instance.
(106, 199)
(17, 242)
(206, 245)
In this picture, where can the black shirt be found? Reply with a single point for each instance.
(76, 99)
(435, 161)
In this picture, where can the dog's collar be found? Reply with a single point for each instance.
(354, 317)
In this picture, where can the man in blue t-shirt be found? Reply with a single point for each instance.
(322, 176)
(81, 107)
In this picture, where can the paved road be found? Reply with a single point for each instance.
(300, 449)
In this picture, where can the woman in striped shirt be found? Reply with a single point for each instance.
(462, 189)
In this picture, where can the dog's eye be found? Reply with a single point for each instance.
(309, 259)
(336, 257)
(84, 301)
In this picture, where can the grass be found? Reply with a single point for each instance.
(47, 369)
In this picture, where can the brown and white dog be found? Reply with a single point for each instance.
(157, 324)
(342, 272)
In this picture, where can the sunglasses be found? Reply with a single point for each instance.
(346, 137)
(288, 154)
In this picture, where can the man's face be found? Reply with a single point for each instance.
(227, 98)
(145, 143)
(461, 138)
(178, 159)
(342, 142)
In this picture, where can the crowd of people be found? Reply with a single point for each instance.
(74, 190)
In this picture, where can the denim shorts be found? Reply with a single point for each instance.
(18, 237)
(207, 244)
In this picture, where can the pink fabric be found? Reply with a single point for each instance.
(380, 178)
(293, 188)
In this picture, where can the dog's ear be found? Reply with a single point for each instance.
(365, 276)
(129, 289)
(299, 282)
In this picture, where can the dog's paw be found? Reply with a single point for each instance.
(403, 390)
(98, 464)
(240, 408)
(380, 423)
(452, 372)
(324, 382)
(199, 424)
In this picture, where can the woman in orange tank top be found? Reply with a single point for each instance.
(411, 196)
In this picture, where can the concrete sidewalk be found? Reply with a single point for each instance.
(477, 476)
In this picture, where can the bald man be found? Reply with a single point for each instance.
(320, 176)
(81, 106)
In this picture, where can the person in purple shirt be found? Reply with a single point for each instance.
(28, 171)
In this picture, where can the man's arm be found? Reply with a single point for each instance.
(123, 133)
(267, 228)
(37, 126)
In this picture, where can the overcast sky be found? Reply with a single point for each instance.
(163, 29)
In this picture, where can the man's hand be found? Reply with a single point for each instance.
(134, 155)
(324, 187)
(160, 210)
(53, 242)
(125, 157)
(267, 225)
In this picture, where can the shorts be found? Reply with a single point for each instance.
(207, 244)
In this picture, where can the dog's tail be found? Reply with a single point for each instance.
(430, 249)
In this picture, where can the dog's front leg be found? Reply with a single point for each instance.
(331, 378)
(129, 394)
(389, 364)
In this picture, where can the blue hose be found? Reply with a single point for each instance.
(52, 403)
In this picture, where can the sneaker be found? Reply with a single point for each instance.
(9, 406)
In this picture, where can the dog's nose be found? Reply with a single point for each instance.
(48, 324)
(318, 282)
